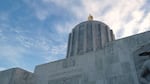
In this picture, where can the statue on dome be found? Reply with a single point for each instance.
(90, 18)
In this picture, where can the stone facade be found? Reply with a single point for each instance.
(109, 62)
(16, 76)
(113, 64)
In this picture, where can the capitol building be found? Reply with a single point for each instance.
(94, 56)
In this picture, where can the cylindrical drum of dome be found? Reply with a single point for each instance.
(88, 36)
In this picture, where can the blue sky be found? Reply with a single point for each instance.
(34, 32)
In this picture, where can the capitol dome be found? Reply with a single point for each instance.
(88, 36)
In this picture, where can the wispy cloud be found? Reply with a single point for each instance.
(48, 48)
(144, 25)
(4, 16)
(12, 54)
(119, 15)
(43, 9)
(56, 52)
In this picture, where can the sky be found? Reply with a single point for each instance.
(34, 32)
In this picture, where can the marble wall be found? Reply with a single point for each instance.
(16, 76)
(113, 64)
